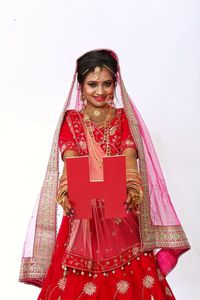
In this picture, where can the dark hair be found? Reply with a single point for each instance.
(89, 61)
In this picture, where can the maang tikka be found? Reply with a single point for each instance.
(97, 72)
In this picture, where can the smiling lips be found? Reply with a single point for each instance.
(100, 99)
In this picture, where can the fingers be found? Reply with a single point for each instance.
(128, 199)
(132, 202)
(130, 206)
(128, 203)
(136, 209)
(67, 208)
(69, 212)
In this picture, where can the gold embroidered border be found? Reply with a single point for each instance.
(85, 264)
(45, 229)
(32, 270)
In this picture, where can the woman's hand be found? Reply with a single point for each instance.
(132, 201)
(62, 196)
(63, 200)
(67, 208)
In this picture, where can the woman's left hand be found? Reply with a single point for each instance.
(132, 200)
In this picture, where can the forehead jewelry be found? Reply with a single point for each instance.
(97, 72)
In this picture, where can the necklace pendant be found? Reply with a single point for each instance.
(97, 113)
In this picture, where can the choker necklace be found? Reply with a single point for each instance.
(98, 115)
(96, 111)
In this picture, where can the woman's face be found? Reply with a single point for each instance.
(98, 88)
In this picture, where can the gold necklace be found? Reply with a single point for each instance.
(97, 113)
(106, 137)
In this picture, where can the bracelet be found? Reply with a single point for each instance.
(63, 179)
(61, 196)
(60, 200)
(63, 186)
(133, 180)
(62, 191)
(136, 180)
(132, 171)
(134, 198)
(135, 176)
(134, 185)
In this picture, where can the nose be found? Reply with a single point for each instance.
(100, 90)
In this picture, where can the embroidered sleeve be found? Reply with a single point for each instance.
(66, 139)
(126, 139)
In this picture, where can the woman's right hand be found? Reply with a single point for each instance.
(62, 197)
(67, 208)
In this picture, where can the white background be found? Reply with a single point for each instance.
(158, 45)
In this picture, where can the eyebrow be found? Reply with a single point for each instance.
(95, 81)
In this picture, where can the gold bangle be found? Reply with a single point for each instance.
(60, 200)
(135, 186)
(132, 170)
(63, 186)
(135, 198)
(62, 178)
(133, 177)
(62, 193)
(63, 182)
(132, 180)
(138, 189)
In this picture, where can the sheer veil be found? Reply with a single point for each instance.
(159, 225)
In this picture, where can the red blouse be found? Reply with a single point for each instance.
(72, 136)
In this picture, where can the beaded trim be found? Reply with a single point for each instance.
(85, 264)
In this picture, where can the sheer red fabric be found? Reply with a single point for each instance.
(141, 279)
(102, 257)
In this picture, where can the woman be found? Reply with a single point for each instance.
(98, 258)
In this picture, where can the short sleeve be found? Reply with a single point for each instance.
(126, 139)
(66, 139)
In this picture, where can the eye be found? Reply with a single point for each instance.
(108, 83)
(92, 84)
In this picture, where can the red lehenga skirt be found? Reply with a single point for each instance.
(136, 277)
(139, 279)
